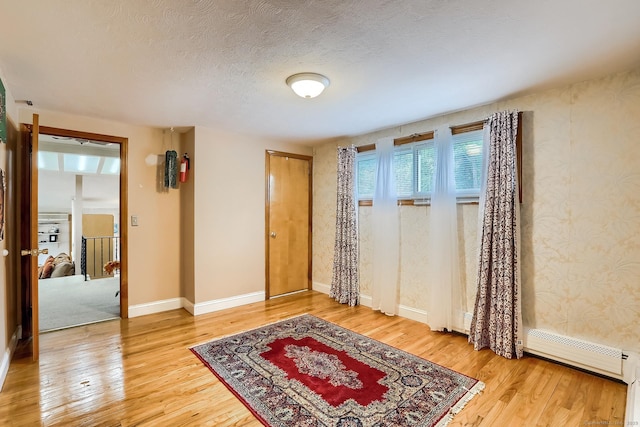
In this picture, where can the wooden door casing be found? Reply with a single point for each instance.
(124, 197)
(27, 212)
(288, 223)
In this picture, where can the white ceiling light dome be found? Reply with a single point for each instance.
(308, 85)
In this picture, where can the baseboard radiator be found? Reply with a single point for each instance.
(572, 351)
(583, 354)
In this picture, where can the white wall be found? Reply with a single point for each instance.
(229, 212)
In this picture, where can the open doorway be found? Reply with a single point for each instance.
(79, 223)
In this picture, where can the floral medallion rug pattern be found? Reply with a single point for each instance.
(306, 371)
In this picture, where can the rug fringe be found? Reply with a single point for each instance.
(455, 409)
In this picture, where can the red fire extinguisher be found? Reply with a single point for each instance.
(184, 167)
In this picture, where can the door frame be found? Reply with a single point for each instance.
(27, 240)
(267, 215)
(124, 197)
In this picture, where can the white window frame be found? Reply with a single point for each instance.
(472, 195)
(463, 196)
(366, 155)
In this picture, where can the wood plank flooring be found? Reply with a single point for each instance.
(139, 372)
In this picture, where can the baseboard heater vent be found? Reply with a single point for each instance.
(572, 351)
(583, 354)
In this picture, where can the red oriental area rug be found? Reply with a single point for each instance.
(306, 371)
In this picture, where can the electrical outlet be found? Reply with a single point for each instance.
(134, 220)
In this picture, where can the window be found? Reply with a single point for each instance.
(425, 168)
(467, 157)
(414, 165)
(403, 169)
(366, 174)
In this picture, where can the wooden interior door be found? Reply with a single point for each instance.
(288, 220)
(28, 206)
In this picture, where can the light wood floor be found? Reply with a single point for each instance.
(139, 372)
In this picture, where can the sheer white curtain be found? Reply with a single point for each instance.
(445, 301)
(385, 219)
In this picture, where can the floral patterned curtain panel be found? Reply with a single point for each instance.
(345, 285)
(497, 316)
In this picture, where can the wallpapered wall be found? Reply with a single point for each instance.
(580, 214)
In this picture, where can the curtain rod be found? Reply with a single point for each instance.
(455, 130)
(415, 137)
(468, 127)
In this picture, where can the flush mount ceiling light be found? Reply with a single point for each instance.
(308, 85)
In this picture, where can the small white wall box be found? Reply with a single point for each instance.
(53, 238)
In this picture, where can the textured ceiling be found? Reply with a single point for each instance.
(223, 64)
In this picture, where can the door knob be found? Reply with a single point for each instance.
(273, 234)
(33, 252)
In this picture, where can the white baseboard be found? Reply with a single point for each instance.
(325, 289)
(632, 411)
(413, 314)
(402, 310)
(188, 305)
(365, 300)
(631, 376)
(197, 308)
(8, 354)
(321, 287)
(155, 307)
(467, 318)
(224, 303)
